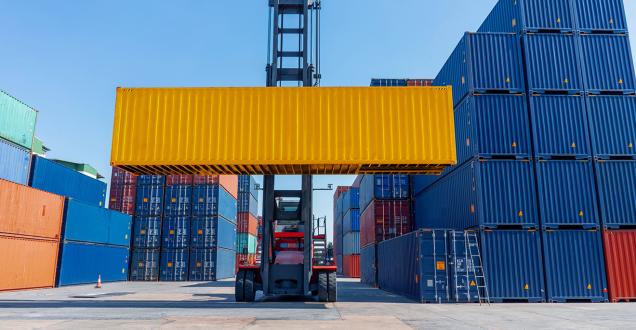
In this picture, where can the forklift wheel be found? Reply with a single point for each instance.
(323, 287)
(239, 292)
(248, 289)
(333, 287)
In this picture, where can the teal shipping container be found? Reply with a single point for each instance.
(17, 121)
(87, 223)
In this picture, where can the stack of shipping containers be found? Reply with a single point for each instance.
(350, 232)
(338, 217)
(123, 191)
(175, 228)
(147, 228)
(247, 221)
(17, 128)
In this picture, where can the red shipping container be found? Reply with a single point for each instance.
(246, 223)
(383, 220)
(179, 180)
(620, 261)
(122, 198)
(419, 82)
(351, 265)
(120, 177)
(205, 180)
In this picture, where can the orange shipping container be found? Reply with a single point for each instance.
(246, 223)
(28, 263)
(351, 265)
(230, 183)
(25, 211)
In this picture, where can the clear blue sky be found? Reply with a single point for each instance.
(65, 58)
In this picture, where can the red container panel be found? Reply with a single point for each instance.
(205, 180)
(385, 219)
(620, 263)
(246, 223)
(419, 82)
(351, 265)
(122, 198)
(179, 180)
(121, 177)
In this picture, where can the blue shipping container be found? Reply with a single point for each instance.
(422, 182)
(149, 201)
(151, 180)
(178, 201)
(50, 176)
(484, 63)
(213, 200)
(607, 63)
(350, 199)
(212, 232)
(574, 266)
(14, 163)
(415, 266)
(617, 193)
(144, 265)
(351, 221)
(247, 203)
(369, 265)
(83, 263)
(211, 264)
(560, 126)
(383, 186)
(600, 16)
(462, 280)
(530, 16)
(339, 269)
(174, 264)
(613, 123)
(175, 233)
(567, 194)
(389, 82)
(561, 52)
(513, 265)
(351, 243)
(147, 232)
(480, 193)
(247, 184)
(87, 223)
(338, 236)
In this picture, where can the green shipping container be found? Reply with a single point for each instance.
(245, 243)
(17, 121)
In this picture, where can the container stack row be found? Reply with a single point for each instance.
(349, 204)
(247, 225)
(401, 82)
(17, 129)
(338, 217)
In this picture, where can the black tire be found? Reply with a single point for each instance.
(323, 287)
(249, 288)
(239, 287)
(333, 287)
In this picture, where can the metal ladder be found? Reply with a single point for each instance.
(477, 268)
(320, 241)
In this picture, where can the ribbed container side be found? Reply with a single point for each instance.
(513, 265)
(340, 190)
(175, 232)
(174, 264)
(613, 125)
(481, 193)
(560, 126)
(179, 180)
(50, 176)
(177, 201)
(617, 191)
(151, 180)
(83, 263)
(384, 220)
(422, 182)
(567, 193)
(17, 121)
(211, 264)
(25, 211)
(212, 201)
(351, 221)
(561, 52)
(122, 198)
(247, 184)
(415, 266)
(351, 265)
(574, 265)
(369, 265)
(351, 199)
(351, 243)
(205, 180)
(27, 263)
(620, 262)
(213, 232)
(247, 203)
(338, 236)
(483, 62)
(229, 183)
(245, 243)
(120, 177)
(600, 16)
(530, 16)
(145, 265)
(607, 63)
(382, 187)
(87, 223)
(147, 233)
(419, 82)
(149, 200)
(462, 280)
(389, 82)
(247, 223)
(339, 261)
(14, 163)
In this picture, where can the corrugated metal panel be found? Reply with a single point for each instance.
(351, 266)
(462, 279)
(422, 182)
(351, 199)
(27, 263)
(574, 265)
(177, 201)
(620, 260)
(513, 265)
(123, 198)
(174, 265)
(245, 243)
(247, 223)
(338, 235)
(17, 121)
(613, 123)
(151, 180)
(351, 221)
(149, 201)
(179, 180)
(121, 177)
(247, 203)
(389, 82)
(247, 184)
(14, 163)
(419, 82)
(279, 142)
(483, 62)
(383, 187)
(384, 220)
(369, 265)
(339, 263)
(415, 266)
(607, 63)
(560, 125)
(211, 201)
(351, 243)
(617, 192)
(530, 16)
(175, 232)
(560, 51)
(147, 232)
(55, 178)
(212, 232)
(145, 265)
(600, 16)
(86, 223)
(83, 263)
(567, 194)
(484, 193)
(211, 264)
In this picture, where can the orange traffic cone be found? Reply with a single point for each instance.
(99, 282)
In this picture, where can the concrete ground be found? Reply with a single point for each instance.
(211, 306)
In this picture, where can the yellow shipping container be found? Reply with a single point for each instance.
(323, 130)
